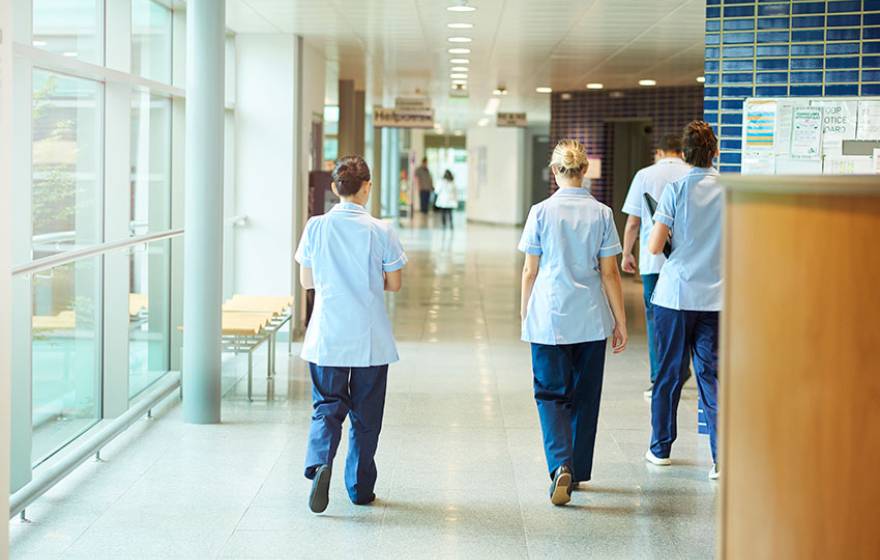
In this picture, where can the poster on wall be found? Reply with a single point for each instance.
(806, 133)
(760, 125)
(838, 124)
(784, 114)
(869, 120)
(758, 163)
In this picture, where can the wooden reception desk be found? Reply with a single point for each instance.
(800, 369)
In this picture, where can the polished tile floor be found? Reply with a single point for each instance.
(461, 471)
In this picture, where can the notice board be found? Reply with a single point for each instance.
(807, 135)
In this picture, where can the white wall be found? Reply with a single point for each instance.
(265, 163)
(498, 195)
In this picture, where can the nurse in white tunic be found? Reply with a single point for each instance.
(572, 302)
(350, 259)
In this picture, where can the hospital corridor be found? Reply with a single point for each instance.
(461, 473)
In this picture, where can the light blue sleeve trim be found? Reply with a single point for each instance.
(610, 250)
(396, 264)
(529, 248)
(663, 219)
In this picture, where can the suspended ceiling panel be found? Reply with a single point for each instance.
(399, 47)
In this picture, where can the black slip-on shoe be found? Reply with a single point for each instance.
(364, 501)
(560, 488)
(320, 494)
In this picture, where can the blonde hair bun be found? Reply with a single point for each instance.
(569, 158)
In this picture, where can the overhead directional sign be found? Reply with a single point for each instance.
(396, 118)
(512, 119)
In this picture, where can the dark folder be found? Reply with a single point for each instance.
(652, 206)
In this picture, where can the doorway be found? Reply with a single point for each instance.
(632, 149)
(540, 169)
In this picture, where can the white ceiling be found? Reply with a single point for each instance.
(399, 47)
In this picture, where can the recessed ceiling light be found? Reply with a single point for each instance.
(455, 76)
(459, 61)
(647, 83)
(459, 69)
(461, 8)
(459, 50)
(39, 43)
(483, 122)
(459, 82)
(499, 91)
(565, 96)
(459, 39)
(595, 86)
(544, 89)
(460, 25)
(458, 133)
(70, 54)
(701, 79)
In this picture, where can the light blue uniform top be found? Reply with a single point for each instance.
(691, 278)
(348, 250)
(570, 230)
(651, 180)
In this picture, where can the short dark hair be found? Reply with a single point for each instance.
(670, 143)
(349, 174)
(700, 144)
(448, 175)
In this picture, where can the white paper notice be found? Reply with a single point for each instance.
(806, 133)
(758, 163)
(877, 161)
(838, 124)
(869, 120)
(848, 165)
(784, 112)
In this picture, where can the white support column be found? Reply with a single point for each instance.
(5, 261)
(203, 241)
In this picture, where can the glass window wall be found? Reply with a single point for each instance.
(70, 28)
(151, 40)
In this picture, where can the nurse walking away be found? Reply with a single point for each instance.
(569, 278)
(687, 300)
(651, 180)
(350, 259)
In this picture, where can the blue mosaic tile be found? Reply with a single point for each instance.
(845, 21)
(845, 6)
(731, 157)
(870, 33)
(711, 79)
(738, 78)
(773, 10)
(871, 62)
(737, 91)
(737, 38)
(842, 62)
(807, 63)
(711, 53)
(807, 50)
(737, 64)
(713, 12)
(871, 47)
(739, 52)
(771, 91)
(731, 144)
(808, 8)
(871, 75)
(806, 77)
(739, 11)
(771, 64)
(710, 92)
(773, 36)
(842, 76)
(713, 38)
(773, 23)
(711, 66)
(842, 89)
(772, 50)
(814, 91)
(713, 25)
(842, 48)
(735, 131)
(871, 5)
(870, 89)
(729, 168)
(731, 118)
(808, 21)
(871, 19)
(843, 35)
(735, 104)
(771, 78)
(739, 24)
(808, 35)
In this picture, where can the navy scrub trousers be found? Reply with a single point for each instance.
(649, 282)
(338, 392)
(679, 335)
(568, 387)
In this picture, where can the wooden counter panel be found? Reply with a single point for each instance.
(800, 376)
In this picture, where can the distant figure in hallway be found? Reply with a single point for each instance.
(425, 185)
(447, 198)
(651, 180)
(687, 300)
(569, 279)
(350, 259)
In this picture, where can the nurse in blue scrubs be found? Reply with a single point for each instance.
(687, 299)
(572, 302)
(350, 259)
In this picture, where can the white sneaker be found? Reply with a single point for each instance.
(714, 473)
(654, 460)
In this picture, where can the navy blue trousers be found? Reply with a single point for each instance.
(649, 282)
(680, 335)
(568, 388)
(338, 392)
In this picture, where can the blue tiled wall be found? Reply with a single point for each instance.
(772, 48)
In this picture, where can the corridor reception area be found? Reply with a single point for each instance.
(439, 279)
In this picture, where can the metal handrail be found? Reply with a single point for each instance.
(46, 263)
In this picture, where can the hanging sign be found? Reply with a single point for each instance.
(511, 119)
(412, 104)
(410, 118)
